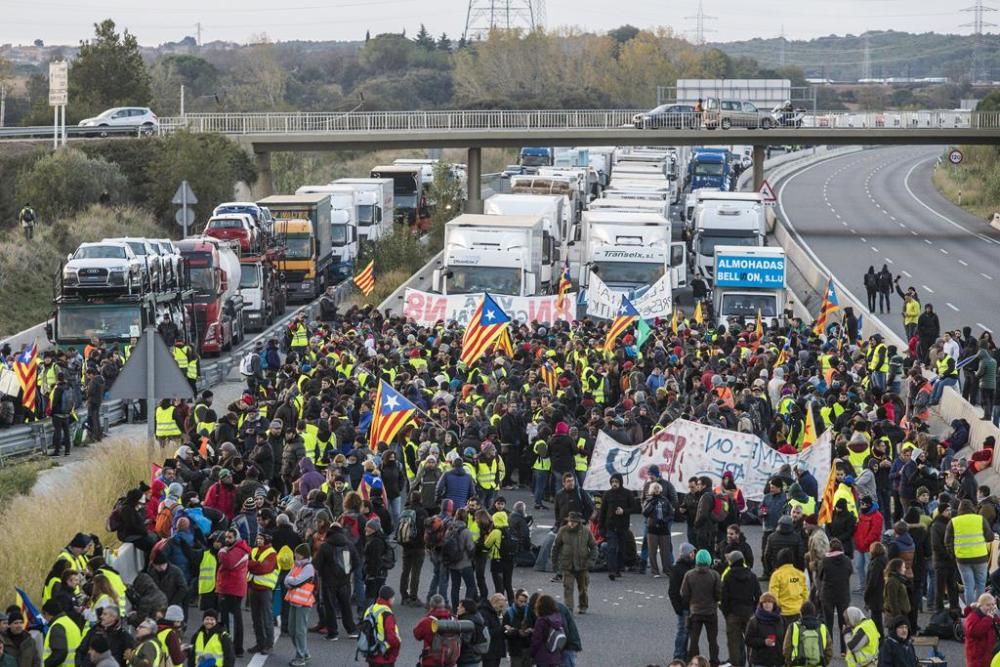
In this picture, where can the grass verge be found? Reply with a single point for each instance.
(37, 525)
(19, 477)
(975, 184)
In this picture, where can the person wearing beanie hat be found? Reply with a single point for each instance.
(740, 592)
(18, 642)
(683, 564)
(765, 633)
(169, 631)
(211, 641)
(383, 618)
(617, 506)
(834, 576)
(379, 557)
(701, 592)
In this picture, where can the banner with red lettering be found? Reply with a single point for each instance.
(686, 449)
(426, 308)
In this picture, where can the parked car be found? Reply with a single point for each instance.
(105, 266)
(234, 227)
(733, 113)
(171, 262)
(150, 259)
(677, 116)
(141, 118)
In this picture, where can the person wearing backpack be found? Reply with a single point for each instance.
(435, 529)
(807, 641)
(501, 547)
(27, 219)
(379, 631)
(548, 636)
(336, 560)
(475, 644)
(440, 649)
(410, 536)
(425, 482)
(380, 557)
(456, 555)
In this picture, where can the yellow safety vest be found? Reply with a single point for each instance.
(300, 403)
(580, 457)
(166, 427)
(942, 368)
(540, 464)
(845, 492)
(210, 649)
(911, 312)
(867, 654)
(78, 563)
(300, 336)
(884, 366)
(269, 580)
(73, 637)
(968, 531)
(486, 475)
(824, 639)
(115, 579)
(155, 643)
(161, 638)
(206, 573)
(378, 612)
(192, 368)
(808, 507)
(181, 358)
(857, 459)
(310, 441)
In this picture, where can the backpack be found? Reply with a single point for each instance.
(164, 522)
(451, 548)
(406, 532)
(555, 640)
(434, 531)
(810, 653)
(541, 450)
(428, 490)
(388, 560)
(480, 643)
(114, 520)
(509, 546)
(342, 560)
(446, 648)
(352, 527)
(720, 507)
(368, 643)
(246, 364)
(28, 215)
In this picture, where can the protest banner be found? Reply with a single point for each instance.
(426, 308)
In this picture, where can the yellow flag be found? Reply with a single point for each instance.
(698, 317)
(809, 434)
(673, 323)
(759, 328)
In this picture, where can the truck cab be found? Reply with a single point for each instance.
(709, 168)
(412, 208)
(749, 280)
(376, 206)
(216, 306)
(630, 251)
(262, 288)
(303, 227)
(533, 157)
(344, 235)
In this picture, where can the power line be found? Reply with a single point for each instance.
(484, 16)
(699, 25)
(977, 26)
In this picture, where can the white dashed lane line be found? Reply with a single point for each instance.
(986, 275)
(943, 251)
(907, 274)
(983, 326)
(951, 306)
(888, 260)
(928, 289)
(963, 262)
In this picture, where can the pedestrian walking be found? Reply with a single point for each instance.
(573, 553)
(740, 596)
(701, 592)
(300, 587)
(807, 640)
(871, 287)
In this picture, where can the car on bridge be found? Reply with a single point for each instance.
(734, 113)
(107, 266)
(141, 119)
(676, 116)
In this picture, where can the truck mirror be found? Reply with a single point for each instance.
(436, 280)
(378, 214)
(49, 332)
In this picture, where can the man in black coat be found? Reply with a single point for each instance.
(572, 499)
(617, 505)
(681, 566)
(335, 561)
(740, 592)
(785, 537)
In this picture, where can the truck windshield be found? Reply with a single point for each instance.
(470, 279)
(630, 273)
(100, 252)
(746, 305)
(366, 215)
(249, 277)
(202, 279)
(107, 321)
(534, 160)
(708, 168)
(298, 247)
(706, 244)
(338, 235)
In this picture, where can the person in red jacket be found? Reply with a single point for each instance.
(424, 631)
(263, 569)
(231, 585)
(981, 627)
(866, 532)
(390, 632)
(222, 495)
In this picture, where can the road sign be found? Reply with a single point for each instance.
(184, 217)
(767, 192)
(955, 156)
(184, 195)
(58, 83)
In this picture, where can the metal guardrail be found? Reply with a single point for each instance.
(75, 131)
(598, 119)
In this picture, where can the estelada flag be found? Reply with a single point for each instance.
(758, 329)
(548, 374)
(564, 284)
(26, 368)
(389, 414)
(504, 344)
(33, 619)
(484, 326)
(698, 316)
(627, 315)
(830, 304)
(809, 434)
(366, 279)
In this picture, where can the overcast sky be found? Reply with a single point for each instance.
(66, 21)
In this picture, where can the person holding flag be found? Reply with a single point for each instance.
(389, 414)
(830, 305)
(564, 284)
(26, 368)
(365, 280)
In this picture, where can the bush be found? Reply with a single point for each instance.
(15, 159)
(399, 251)
(67, 181)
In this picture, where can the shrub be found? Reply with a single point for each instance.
(67, 181)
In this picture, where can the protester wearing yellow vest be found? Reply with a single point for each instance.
(169, 631)
(147, 651)
(862, 639)
(793, 645)
(212, 643)
(167, 431)
(540, 468)
(62, 639)
(263, 577)
(489, 472)
(968, 536)
(207, 571)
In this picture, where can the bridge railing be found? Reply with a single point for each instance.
(593, 119)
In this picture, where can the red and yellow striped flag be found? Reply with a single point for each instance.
(504, 344)
(26, 368)
(830, 304)
(758, 329)
(366, 279)
(826, 509)
(548, 374)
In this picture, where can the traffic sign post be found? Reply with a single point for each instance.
(184, 197)
(955, 156)
(58, 98)
(768, 193)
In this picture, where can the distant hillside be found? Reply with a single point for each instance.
(892, 54)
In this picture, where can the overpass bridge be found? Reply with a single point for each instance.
(264, 133)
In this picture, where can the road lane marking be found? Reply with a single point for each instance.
(906, 184)
(914, 233)
(863, 240)
(888, 260)
(983, 326)
(951, 306)
(928, 289)
(986, 275)
(874, 249)
(963, 262)
(943, 251)
(928, 242)
(907, 274)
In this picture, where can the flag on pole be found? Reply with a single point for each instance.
(830, 304)
(391, 411)
(548, 374)
(642, 333)
(33, 619)
(504, 344)
(626, 316)
(564, 284)
(784, 354)
(826, 508)
(484, 326)
(366, 279)
(26, 368)
(809, 434)
(758, 329)
(698, 316)
(673, 322)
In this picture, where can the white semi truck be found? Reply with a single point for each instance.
(501, 254)
(375, 206)
(748, 280)
(630, 250)
(734, 223)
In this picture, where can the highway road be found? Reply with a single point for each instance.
(879, 207)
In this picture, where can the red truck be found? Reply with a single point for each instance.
(216, 308)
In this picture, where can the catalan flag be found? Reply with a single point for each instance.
(830, 304)
(785, 354)
(366, 279)
(809, 434)
(26, 367)
(504, 344)
(627, 315)
(758, 329)
(699, 317)
(564, 284)
(485, 325)
(826, 508)
(673, 322)
(390, 413)
(861, 324)
(548, 374)
(33, 619)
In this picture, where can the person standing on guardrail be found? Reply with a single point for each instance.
(27, 219)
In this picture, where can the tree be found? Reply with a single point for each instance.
(424, 38)
(257, 82)
(623, 34)
(990, 103)
(108, 72)
(368, 35)
(67, 182)
(444, 44)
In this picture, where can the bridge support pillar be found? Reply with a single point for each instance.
(474, 171)
(264, 187)
(758, 167)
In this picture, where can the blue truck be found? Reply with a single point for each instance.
(709, 168)
(533, 157)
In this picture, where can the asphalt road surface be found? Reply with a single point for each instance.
(880, 207)
(630, 622)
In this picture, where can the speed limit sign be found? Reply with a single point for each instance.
(955, 156)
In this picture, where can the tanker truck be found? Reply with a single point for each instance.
(216, 307)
